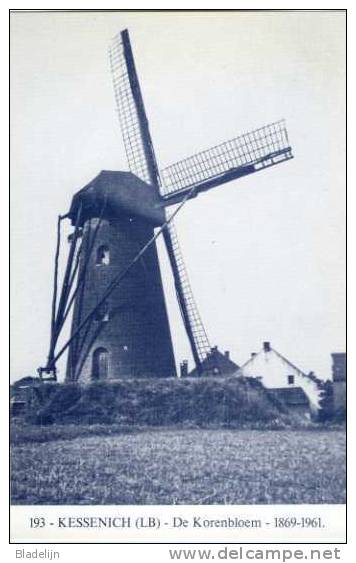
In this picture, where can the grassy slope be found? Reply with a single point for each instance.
(233, 402)
(183, 467)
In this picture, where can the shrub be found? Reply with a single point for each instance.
(226, 402)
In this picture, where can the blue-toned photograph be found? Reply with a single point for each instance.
(178, 257)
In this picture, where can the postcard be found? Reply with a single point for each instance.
(178, 365)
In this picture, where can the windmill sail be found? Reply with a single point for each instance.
(248, 153)
(189, 310)
(132, 116)
(142, 162)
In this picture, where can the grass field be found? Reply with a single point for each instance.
(183, 467)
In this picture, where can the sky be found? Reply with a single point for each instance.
(265, 253)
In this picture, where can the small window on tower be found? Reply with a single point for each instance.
(290, 379)
(103, 255)
(102, 313)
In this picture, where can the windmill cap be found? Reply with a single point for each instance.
(122, 194)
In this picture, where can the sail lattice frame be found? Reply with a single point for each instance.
(129, 118)
(254, 149)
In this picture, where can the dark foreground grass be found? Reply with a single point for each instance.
(183, 467)
(25, 433)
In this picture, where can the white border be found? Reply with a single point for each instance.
(160, 552)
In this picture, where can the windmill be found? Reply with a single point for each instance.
(112, 280)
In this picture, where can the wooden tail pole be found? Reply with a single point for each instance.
(50, 369)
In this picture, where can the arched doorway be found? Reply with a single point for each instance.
(100, 364)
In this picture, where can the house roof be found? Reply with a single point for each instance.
(216, 360)
(311, 376)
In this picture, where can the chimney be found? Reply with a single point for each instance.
(227, 354)
(266, 347)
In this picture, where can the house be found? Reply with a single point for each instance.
(287, 382)
(215, 363)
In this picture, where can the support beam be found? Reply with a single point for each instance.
(67, 277)
(82, 274)
(55, 290)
